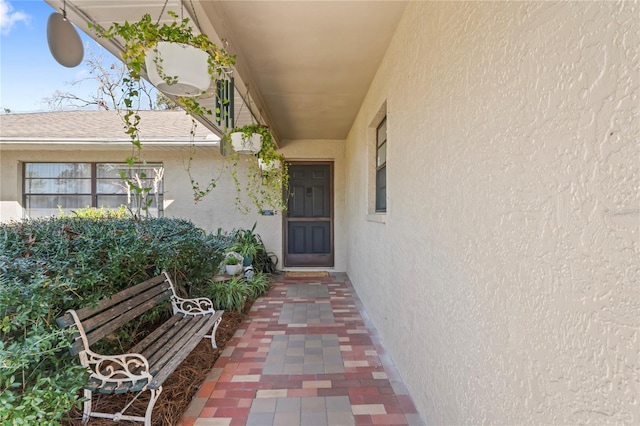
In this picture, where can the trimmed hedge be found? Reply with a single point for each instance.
(48, 266)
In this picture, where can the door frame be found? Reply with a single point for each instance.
(311, 260)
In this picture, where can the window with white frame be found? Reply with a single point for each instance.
(381, 166)
(49, 188)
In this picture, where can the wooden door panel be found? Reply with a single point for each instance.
(310, 237)
(296, 203)
(320, 238)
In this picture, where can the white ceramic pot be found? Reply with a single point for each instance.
(234, 269)
(186, 63)
(271, 165)
(246, 145)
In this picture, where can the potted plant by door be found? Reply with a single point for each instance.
(233, 263)
(247, 244)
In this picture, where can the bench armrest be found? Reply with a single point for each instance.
(193, 307)
(198, 306)
(116, 370)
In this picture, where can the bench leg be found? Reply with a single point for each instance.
(155, 393)
(87, 414)
(86, 407)
(213, 333)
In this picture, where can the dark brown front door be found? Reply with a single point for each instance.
(308, 222)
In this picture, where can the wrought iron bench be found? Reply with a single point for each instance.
(151, 361)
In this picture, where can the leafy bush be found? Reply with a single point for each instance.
(248, 244)
(99, 213)
(50, 265)
(233, 294)
(258, 285)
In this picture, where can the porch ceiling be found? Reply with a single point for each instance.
(306, 64)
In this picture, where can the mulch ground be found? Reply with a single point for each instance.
(179, 388)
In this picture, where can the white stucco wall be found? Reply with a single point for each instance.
(505, 277)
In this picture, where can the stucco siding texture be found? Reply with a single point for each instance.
(505, 277)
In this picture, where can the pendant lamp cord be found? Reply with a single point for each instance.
(195, 15)
(64, 9)
(162, 11)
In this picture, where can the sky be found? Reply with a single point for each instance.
(28, 72)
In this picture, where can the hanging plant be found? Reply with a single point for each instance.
(248, 139)
(267, 171)
(145, 48)
(145, 40)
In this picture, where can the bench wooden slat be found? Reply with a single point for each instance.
(155, 336)
(113, 388)
(178, 335)
(103, 316)
(118, 322)
(166, 342)
(184, 350)
(83, 313)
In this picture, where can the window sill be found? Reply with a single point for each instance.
(377, 217)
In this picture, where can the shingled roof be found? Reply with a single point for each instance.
(98, 125)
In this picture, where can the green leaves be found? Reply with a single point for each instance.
(234, 294)
(265, 187)
(141, 36)
(50, 265)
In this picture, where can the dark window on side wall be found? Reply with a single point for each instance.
(381, 166)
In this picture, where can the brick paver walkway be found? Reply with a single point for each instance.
(307, 356)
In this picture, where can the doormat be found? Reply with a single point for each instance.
(306, 274)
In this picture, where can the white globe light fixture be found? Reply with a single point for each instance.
(64, 42)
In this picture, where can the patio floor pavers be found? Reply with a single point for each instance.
(304, 354)
(306, 313)
(307, 356)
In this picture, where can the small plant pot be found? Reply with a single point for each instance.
(234, 269)
(267, 166)
(186, 64)
(243, 144)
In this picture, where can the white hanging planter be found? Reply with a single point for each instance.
(268, 166)
(244, 144)
(186, 64)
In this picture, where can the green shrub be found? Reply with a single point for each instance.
(99, 213)
(50, 265)
(248, 244)
(229, 296)
(232, 295)
(258, 285)
(37, 379)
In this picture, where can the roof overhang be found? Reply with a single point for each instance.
(303, 67)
